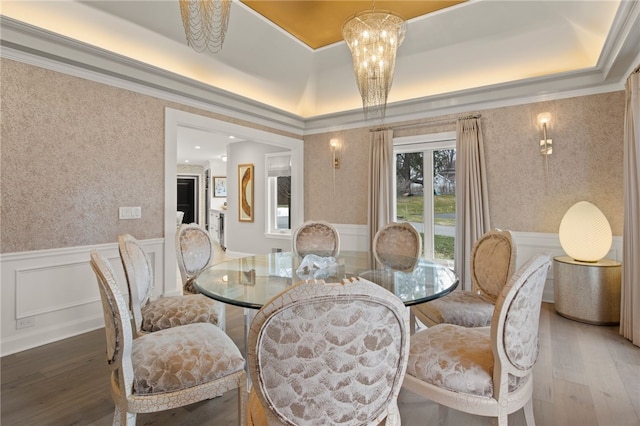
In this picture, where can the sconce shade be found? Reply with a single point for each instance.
(585, 233)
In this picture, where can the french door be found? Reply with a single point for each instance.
(425, 177)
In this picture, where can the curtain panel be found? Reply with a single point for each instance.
(380, 182)
(472, 199)
(630, 303)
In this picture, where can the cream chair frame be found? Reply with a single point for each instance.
(511, 341)
(167, 311)
(121, 347)
(493, 262)
(328, 247)
(353, 312)
(398, 244)
(192, 260)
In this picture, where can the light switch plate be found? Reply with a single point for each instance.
(130, 213)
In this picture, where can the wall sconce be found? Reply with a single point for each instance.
(335, 146)
(546, 145)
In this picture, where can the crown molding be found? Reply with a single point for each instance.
(38, 47)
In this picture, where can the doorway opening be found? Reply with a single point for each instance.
(187, 198)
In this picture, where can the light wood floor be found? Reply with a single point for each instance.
(585, 375)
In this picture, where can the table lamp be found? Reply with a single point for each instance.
(585, 233)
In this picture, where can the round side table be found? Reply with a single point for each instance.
(587, 291)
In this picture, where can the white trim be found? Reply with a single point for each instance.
(176, 118)
(56, 289)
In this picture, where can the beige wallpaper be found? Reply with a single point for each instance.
(586, 164)
(72, 151)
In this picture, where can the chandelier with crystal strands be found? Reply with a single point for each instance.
(205, 23)
(373, 38)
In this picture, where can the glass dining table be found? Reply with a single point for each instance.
(250, 282)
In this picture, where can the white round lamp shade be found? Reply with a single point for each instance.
(585, 233)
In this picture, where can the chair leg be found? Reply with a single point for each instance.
(122, 418)
(242, 401)
(503, 418)
(528, 413)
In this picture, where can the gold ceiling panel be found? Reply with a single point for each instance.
(318, 23)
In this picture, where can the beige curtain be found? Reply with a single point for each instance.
(381, 181)
(472, 199)
(630, 304)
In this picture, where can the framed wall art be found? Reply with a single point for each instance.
(245, 186)
(219, 186)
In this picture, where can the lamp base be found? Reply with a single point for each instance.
(587, 291)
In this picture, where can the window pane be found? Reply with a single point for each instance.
(410, 189)
(444, 190)
(429, 205)
(283, 210)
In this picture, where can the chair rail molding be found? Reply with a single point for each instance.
(49, 295)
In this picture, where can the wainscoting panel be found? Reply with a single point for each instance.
(49, 295)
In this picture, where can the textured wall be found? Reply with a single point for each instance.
(73, 151)
(586, 164)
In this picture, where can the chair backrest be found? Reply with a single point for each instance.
(397, 245)
(117, 325)
(324, 353)
(493, 262)
(316, 237)
(515, 322)
(194, 250)
(139, 273)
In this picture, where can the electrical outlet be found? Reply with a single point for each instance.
(25, 322)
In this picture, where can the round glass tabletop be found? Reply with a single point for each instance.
(251, 281)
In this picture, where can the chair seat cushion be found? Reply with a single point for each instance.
(182, 357)
(463, 308)
(167, 312)
(455, 358)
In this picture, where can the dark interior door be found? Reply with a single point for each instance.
(187, 201)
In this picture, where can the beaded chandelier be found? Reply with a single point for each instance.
(205, 23)
(373, 38)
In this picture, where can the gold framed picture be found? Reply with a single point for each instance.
(245, 186)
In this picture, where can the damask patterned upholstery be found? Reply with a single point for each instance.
(493, 262)
(485, 370)
(167, 369)
(322, 354)
(165, 312)
(316, 237)
(398, 245)
(194, 250)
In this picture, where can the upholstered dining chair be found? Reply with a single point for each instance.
(151, 315)
(166, 369)
(485, 371)
(194, 251)
(328, 353)
(316, 237)
(493, 262)
(397, 245)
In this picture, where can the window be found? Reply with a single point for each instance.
(278, 193)
(425, 190)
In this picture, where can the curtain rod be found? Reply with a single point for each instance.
(426, 123)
